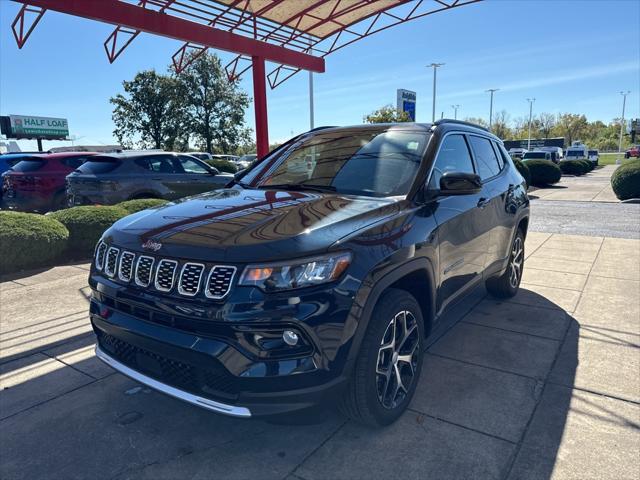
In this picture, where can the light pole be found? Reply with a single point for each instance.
(624, 102)
(433, 110)
(491, 90)
(455, 111)
(530, 100)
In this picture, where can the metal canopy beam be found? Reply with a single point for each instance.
(137, 18)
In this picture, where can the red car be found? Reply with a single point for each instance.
(633, 152)
(38, 183)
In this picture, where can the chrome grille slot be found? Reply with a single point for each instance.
(219, 281)
(189, 283)
(100, 252)
(165, 274)
(144, 267)
(111, 261)
(125, 268)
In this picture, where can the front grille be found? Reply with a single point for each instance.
(190, 276)
(185, 376)
(165, 274)
(100, 251)
(126, 266)
(143, 270)
(111, 262)
(219, 281)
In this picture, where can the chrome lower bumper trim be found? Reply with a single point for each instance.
(174, 392)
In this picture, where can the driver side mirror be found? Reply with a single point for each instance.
(460, 183)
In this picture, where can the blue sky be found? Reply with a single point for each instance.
(572, 56)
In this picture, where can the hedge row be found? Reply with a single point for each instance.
(576, 167)
(524, 171)
(31, 240)
(223, 165)
(543, 172)
(625, 181)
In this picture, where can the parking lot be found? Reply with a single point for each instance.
(546, 385)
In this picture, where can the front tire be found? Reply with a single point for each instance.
(507, 284)
(389, 363)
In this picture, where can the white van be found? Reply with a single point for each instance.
(577, 151)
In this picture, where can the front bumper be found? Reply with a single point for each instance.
(207, 360)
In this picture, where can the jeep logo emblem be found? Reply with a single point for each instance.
(151, 245)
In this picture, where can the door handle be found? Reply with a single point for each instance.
(483, 202)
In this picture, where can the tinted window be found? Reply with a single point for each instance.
(453, 156)
(29, 165)
(74, 162)
(593, 152)
(501, 160)
(161, 165)
(368, 161)
(486, 159)
(191, 166)
(536, 155)
(99, 165)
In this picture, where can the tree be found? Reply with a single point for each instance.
(387, 114)
(500, 125)
(215, 105)
(546, 121)
(478, 121)
(150, 113)
(571, 126)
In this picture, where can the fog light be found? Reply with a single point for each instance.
(290, 338)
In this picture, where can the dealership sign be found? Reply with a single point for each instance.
(406, 102)
(26, 126)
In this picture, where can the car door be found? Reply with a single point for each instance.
(495, 188)
(199, 177)
(462, 224)
(166, 177)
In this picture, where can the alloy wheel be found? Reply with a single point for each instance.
(515, 265)
(397, 359)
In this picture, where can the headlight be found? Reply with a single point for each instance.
(296, 274)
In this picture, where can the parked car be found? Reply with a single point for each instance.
(110, 179)
(201, 155)
(594, 156)
(294, 288)
(632, 152)
(228, 158)
(517, 152)
(37, 183)
(577, 151)
(538, 155)
(246, 160)
(557, 150)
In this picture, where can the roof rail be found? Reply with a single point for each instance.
(460, 122)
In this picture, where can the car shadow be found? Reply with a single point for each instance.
(122, 427)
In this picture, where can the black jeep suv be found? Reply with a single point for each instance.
(317, 275)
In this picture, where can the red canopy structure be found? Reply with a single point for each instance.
(294, 35)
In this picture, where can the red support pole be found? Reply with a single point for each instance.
(260, 106)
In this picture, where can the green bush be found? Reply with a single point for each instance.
(223, 165)
(86, 225)
(524, 171)
(573, 167)
(29, 240)
(543, 172)
(625, 181)
(588, 165)
(134, 206)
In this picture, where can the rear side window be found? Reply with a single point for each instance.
(485, 156)
(190, 165)
(453, 156)
(74, 162)
(501, 160)
(161, 164)
(98, 165)
(31, 165)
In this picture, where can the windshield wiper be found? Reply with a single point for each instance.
(299, 187)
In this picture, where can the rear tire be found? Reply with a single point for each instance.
(389, 363)
(507, 284)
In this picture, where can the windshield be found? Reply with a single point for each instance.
(31, 165)
(575, 153)
(593, 152)
(536, 155)
(371, 162)
(99, 165)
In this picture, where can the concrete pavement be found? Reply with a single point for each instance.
(595, 186)
(545, 385)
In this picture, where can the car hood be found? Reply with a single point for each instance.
(238, 225)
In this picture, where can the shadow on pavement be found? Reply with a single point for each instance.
(484, 410)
